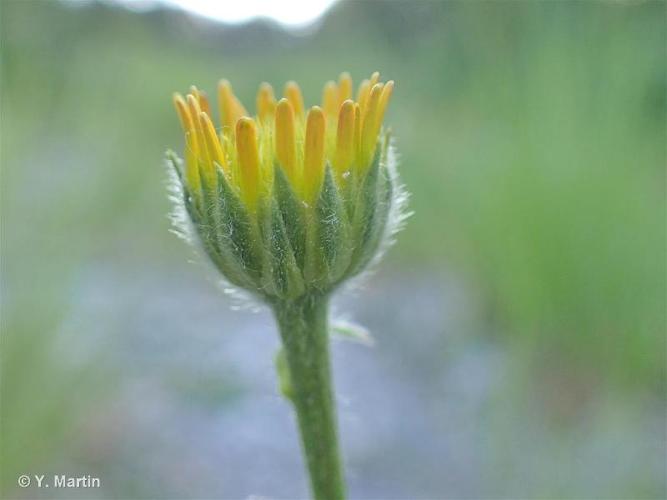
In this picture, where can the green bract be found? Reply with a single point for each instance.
(288, 249)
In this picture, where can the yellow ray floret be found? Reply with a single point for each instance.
(293, 95)
(194, 109)
(357, 128)
(285, 139)
(230, 107)
(215, 151)
(384, 101)
(344, 139)
(344, 88)
(330, 100)
(313, 161)
(266, 102)
(342, 133)
(191, 168)
(362, 95)
(368, 122)
(248, 158)
(202, 98)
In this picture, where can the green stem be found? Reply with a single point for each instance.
(303, 329)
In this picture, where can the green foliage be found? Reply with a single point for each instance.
(558, 205)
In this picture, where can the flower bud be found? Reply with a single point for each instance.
(290, 202)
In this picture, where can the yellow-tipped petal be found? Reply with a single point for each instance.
(191, 166)
(248, 157)
(384, 98)
(193, 106)
(382, 105)
(368, 124)
(231, 108)
(362, 95)
(225, 106)
(313, 163)
(202, 98)
(357, 128)
(344, 88)
(293, 94)
(213, 145)
(240, 109)
(342, 132)
(266, 102)
(204, 103)
(285, 138)
(344, 138)
(330, 100)
(182, 111)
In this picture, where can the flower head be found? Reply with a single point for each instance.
(293, 199)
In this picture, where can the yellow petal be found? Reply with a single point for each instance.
(193, 106)
(382, 105)
(362, 95)
(231, 108)
(286, 139)
(344, 138)
(313, 163)
(266, 102)
(213, 145)
(183, 113)
(204, 103)
(293, 94)
(248, 157)
(357, 128)
(194, 91)
(191, 166)
(202, 98)
(330, 100)
(368, 125)
(375, 77)
(344, 88)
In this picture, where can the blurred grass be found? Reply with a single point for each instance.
(531, 137)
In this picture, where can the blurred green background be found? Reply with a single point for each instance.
(519, 321)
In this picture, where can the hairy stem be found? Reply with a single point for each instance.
(303, 329)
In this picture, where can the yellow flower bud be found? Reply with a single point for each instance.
(302, 202)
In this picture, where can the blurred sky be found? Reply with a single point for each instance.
(290, 13)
